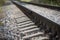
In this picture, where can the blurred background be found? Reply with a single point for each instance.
(50, 2)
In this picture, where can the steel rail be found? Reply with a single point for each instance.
(34, 17)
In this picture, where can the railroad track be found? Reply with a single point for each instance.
(28, 30)
(31, 26)
(46, 25)
(22, 27)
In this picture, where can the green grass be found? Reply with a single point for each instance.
(2, 2)
(1, 24)
(1, 12)
(52, 2)
(1, 16)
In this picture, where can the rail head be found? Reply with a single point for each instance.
(36, 9)
(37, 18)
